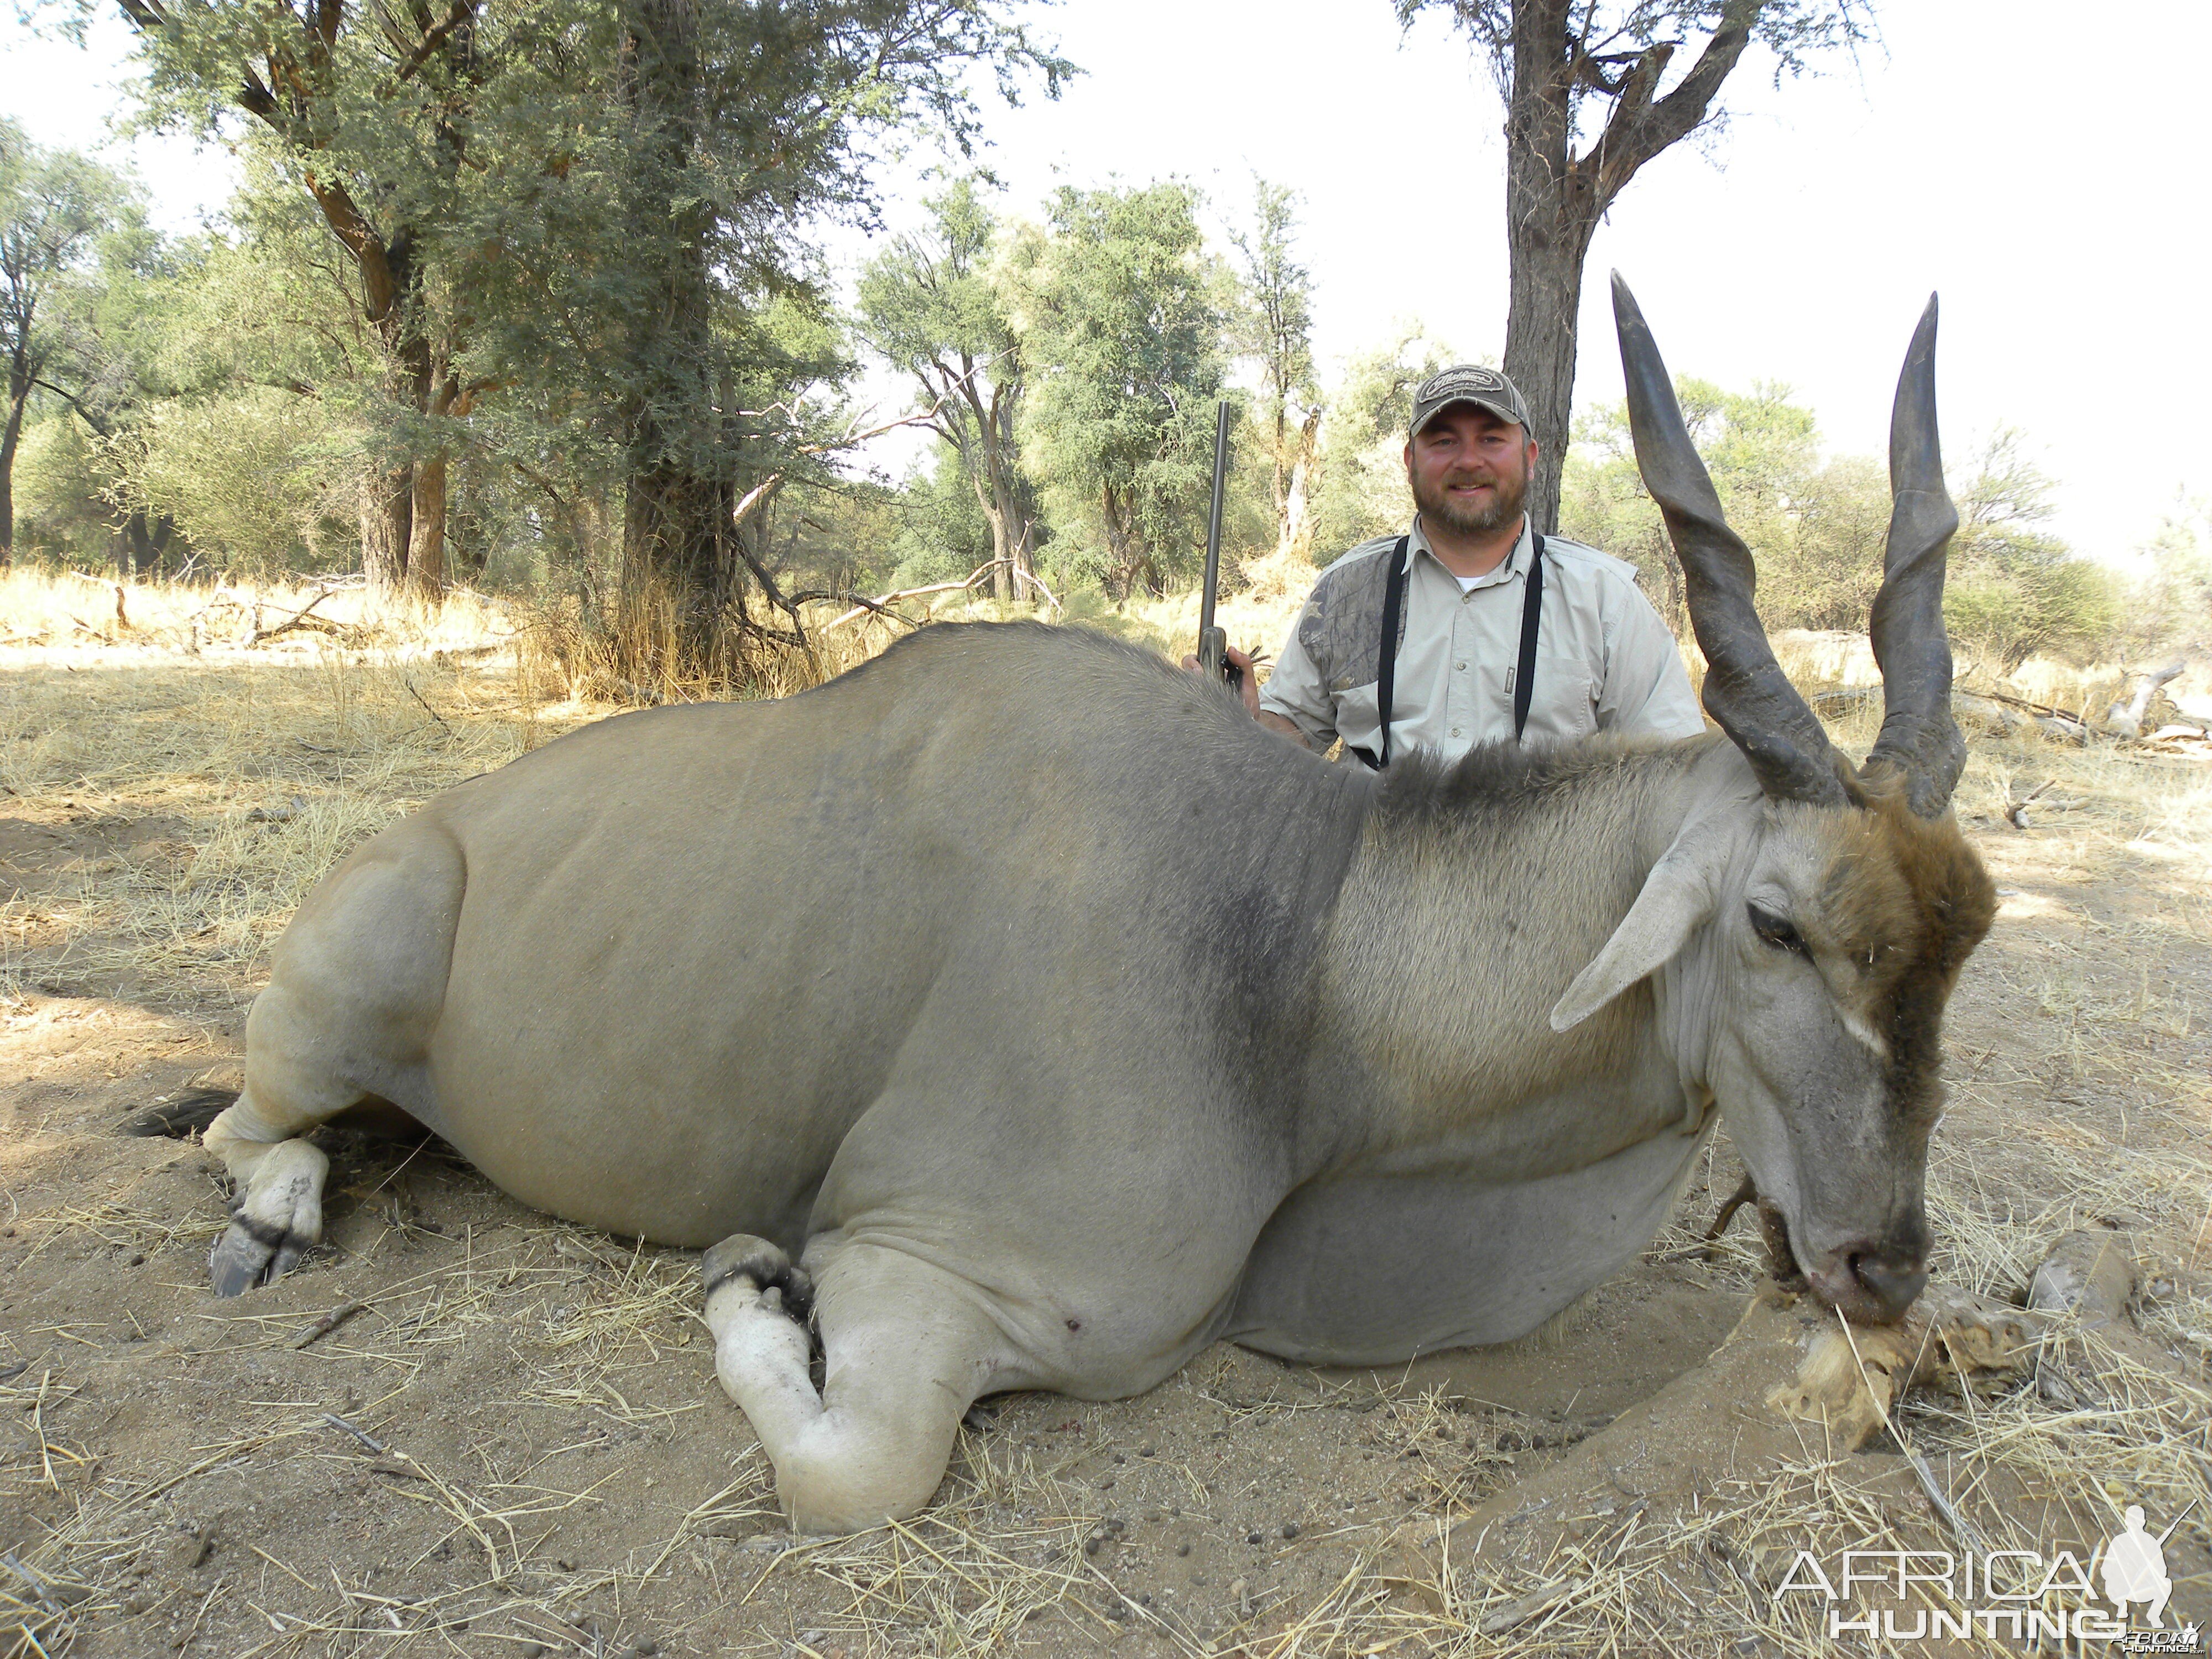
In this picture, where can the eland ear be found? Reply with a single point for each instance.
(1677, 898)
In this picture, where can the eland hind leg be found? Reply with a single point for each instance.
(906, 1353)
(353, 997)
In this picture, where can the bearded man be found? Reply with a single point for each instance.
(1471, 628)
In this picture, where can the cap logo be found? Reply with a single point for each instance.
(1473, 379)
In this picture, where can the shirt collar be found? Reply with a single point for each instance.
(1514, 565)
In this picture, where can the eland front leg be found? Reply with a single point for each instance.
(907, 1349)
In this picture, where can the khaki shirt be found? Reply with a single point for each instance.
(1604, 661)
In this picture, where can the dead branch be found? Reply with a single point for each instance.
(2127, 718)
(256, 635)
(862, 606)
(2016, 814)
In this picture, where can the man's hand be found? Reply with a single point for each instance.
(1247, 683)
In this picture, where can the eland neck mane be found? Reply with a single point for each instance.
(1478, 891)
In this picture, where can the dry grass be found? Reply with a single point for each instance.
(259, 767)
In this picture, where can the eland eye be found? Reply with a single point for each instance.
(1776, 930)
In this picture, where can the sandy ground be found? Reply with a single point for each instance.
(513, 1444)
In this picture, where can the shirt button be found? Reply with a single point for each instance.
(1455, 731)
(1461, 666)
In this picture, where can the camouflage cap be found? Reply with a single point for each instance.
(1467, 383)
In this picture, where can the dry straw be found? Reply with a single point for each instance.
(258, 766)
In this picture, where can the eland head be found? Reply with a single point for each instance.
(1809, 919)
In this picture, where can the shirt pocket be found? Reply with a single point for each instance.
(1358, 718)
(1564, 707)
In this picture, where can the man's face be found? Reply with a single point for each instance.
(1469, 471)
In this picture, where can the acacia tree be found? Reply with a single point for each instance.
(370, 114)
(1281, 291)
(1123, 326)
(1589, 100)
(53, 207)
(933, 306)
(578, 207)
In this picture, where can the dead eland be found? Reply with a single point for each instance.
(944, 1003)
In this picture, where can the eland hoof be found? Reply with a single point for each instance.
(274, 1222)
(762, 1265)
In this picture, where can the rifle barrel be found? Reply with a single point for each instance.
(1212, 642)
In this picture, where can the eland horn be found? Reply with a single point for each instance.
(1919, 739)
(1745, 690)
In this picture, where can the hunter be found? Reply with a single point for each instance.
(1472, 626)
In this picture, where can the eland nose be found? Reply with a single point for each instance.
(1894, 1282)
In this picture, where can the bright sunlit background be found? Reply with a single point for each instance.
(2040, 173)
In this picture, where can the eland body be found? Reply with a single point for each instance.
(945, 1003)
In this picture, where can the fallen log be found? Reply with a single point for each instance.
(2127, 718)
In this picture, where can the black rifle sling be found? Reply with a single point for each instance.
(1532, 616)
(1385, 663)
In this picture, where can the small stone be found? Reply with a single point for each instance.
(645, 1647)
(1290, 1529)
(1254, 1537)
(1183, 1549)
(1145, 1450)
(1093, 1544)
(1509, 1442)
(1118, 1458)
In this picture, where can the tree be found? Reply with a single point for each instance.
(1816, 526)
(53, 207)
(1358, 489)
(2016, 590)
(372, 116)
(1123, 325)
(1590, 73)
(664, 313)
(935, 309)
(1280, 293)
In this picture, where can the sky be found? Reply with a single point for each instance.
(2028, 163)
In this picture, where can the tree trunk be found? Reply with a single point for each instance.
(426, 539)
(387, 519)
(1547, 245)
(1554, 198)
(1295, 529)
(677, 571)
(1002, 574)
(19, 393)
(680, 543)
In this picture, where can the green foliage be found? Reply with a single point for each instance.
(940, 308)
(943, 534)
(1124, 315)
(2015, 590)
(1358, 489)
(1815, 529)
(2172, 605)
(1276, 330)
(57, 212)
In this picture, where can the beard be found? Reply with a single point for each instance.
(1509, 495)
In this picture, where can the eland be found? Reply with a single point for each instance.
(948, 1007)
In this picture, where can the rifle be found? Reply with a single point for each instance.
(1213, 642)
